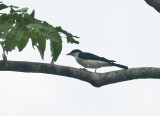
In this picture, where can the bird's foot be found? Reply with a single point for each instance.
(95, 70)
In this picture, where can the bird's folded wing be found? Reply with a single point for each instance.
(89, 56)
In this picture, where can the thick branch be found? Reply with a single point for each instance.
(155, 4)
(96, 79)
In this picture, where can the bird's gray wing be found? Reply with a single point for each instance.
(89, 56)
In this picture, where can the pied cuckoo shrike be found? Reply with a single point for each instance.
(88, 60)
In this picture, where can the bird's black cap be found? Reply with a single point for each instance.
(74, 51)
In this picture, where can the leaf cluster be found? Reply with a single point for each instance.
(17, 27)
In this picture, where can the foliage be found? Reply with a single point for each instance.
(17, 27)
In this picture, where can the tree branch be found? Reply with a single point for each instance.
(154, 3)
(96, 79)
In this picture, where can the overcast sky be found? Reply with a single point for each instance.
(126, 31)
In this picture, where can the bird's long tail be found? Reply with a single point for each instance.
(120, 66)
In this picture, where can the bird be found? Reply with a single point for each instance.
(89, 60)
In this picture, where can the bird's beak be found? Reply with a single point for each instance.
(68, 54)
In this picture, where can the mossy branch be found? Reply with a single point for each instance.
(96, 79)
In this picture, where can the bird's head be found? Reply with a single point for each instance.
(74, 52)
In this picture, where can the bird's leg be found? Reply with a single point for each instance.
(95, 70)
(83, 68)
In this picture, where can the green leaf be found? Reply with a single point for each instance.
(32, 14)
(13, 38)
(11, 6)
(42, 46)
(38, 41)
(45, 31)
(3, 6)
(5, 25)
(23, 42)
(12, 10)
(70, 38)
(4, 28)
(56, 49)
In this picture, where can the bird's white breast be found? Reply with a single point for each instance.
(91, 63)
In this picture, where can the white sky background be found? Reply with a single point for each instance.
(126, 31)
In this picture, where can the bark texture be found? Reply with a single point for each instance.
(96, 79)
(154, 3)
